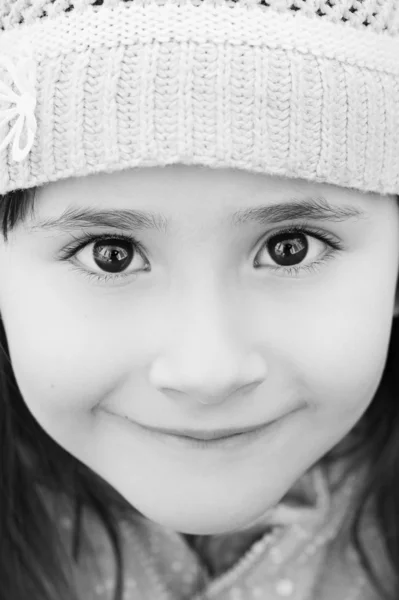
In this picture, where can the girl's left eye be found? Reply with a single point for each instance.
(290, 246)
(114, 253)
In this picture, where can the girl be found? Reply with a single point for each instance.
(198, 299)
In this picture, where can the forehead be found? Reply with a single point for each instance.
(173, 181)
(157, 198)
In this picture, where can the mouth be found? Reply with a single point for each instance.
(206, 435)
(206, 440)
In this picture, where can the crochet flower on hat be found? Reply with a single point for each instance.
(19, 97)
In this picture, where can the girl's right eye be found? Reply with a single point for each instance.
(112, 253)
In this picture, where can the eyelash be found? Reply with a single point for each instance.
(293, 271)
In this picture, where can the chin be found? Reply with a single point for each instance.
(198, 522)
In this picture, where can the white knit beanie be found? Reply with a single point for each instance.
(296, 88)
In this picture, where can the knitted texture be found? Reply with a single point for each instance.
(306, 89)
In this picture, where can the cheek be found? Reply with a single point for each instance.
(65, 361)
(342, 343)
(68, 352)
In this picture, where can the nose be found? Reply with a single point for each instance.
(208, 360)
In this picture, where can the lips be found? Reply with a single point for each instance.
(216, 440)
(209, 435)
(205, 435)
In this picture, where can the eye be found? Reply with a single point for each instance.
(290, 247)
(111, 255)
(106, 257)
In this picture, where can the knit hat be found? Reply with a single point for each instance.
(295, 88)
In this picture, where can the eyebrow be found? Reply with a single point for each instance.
(317, 209)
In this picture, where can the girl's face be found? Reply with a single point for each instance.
(208, 322)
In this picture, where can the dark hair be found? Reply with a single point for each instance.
(32, 554)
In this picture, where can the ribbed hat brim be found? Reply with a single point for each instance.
(222, 86)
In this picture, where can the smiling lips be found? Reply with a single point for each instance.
(206, 435)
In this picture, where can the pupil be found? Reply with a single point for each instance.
(112, 257)
(288, 249)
